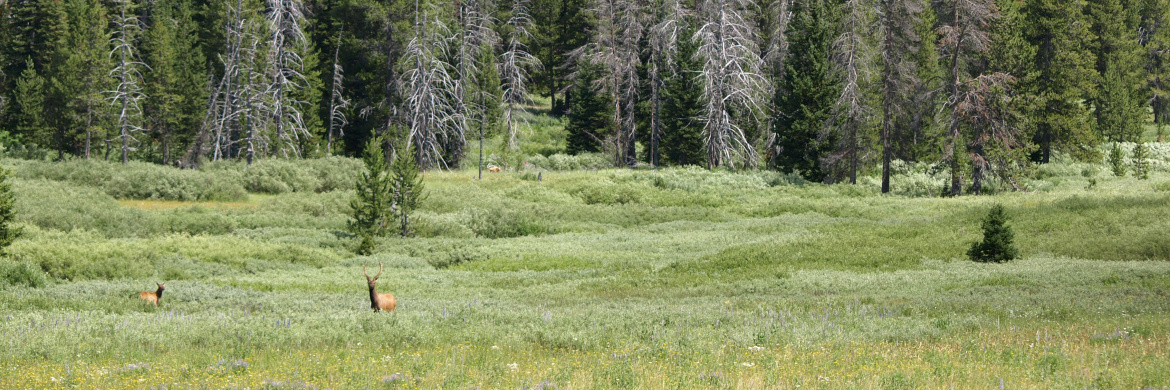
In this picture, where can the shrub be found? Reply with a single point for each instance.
(996, 246)
(1141, 164)
(21, 274)
(1117, 160)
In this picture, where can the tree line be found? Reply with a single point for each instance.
(824, 88)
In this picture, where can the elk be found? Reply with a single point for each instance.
(152, 297)
(494, 169)
(378, 302)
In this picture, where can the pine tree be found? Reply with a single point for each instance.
(8, 232)
(1117, 160)
(682, 108)
(29, 107)
(407, 186)
(1120, 99)
(996, 246)
(1141, 165)
(176, 82)
(79, 79)
(373, 199)
(1156, 41)
(852, 55)
(1064, 66)
(590, 116)
(898, 20)
(806, 96)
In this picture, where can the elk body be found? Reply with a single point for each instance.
(152, 297)
(494, 169)
(384, 302)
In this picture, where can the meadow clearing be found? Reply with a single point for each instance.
(677, 278)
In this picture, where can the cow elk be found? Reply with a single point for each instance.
(384, 302)
(152, 297)
(494, 169)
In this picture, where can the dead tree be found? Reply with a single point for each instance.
(286, 40)
(337, 101)
(476, 39)
(664, 38)
(128, 90)
(732, 81)
(233, 116)
(852, 55)
(964, 36)
(514, 65)
(983, 105)
(429, 102)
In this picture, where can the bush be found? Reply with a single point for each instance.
(996, 246)
(21, 274)
(501, 223)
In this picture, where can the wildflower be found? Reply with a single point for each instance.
(747, 364)
(755, 348)
(513, 366)
(495, 347)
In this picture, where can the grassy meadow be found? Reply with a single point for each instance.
(589, 278)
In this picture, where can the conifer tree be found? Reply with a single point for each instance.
(590, 115)
(852, 54)
(1156, 42)
(406, 184)
(807, 93)
(996, 246)
(176, 82)
(29, 106)
(682, 109)
(897, 20)
(79, 78)
(1064, 66)
(8, 232)
(373, 198)
(1117, 160)
(1119, 101)
(1140, 161)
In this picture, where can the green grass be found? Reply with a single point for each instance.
(678, 278)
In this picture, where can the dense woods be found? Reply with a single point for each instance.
(825, 88)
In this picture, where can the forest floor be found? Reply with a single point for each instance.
(677, 278)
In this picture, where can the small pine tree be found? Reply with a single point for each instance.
(407, 186)
(8, 233)
(1141, 168)
(996, 246)
(1117, 160)
(591, 112)
(371, 204)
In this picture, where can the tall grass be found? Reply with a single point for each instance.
(675, 278)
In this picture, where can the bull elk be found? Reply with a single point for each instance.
(378, 301)
(152, 297)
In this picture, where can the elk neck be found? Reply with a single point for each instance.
(373, 296)
(158, 293)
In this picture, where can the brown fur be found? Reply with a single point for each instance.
(152, 297)
(383, 302)
(494, 169)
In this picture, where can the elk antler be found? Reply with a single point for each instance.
(364, 271)
(379, 270)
